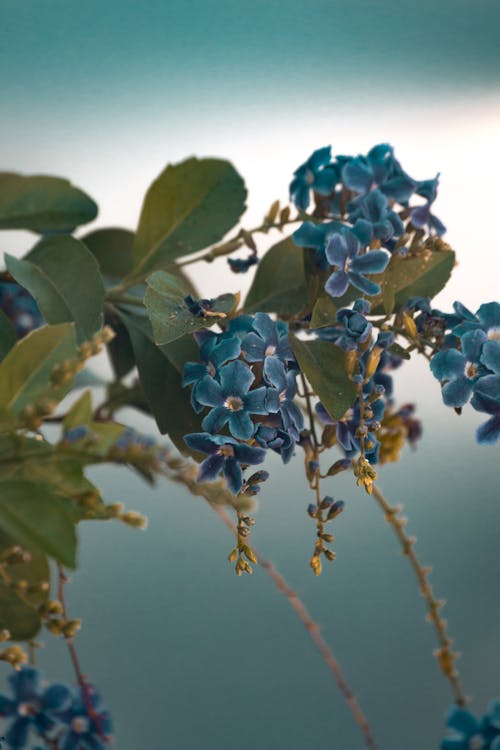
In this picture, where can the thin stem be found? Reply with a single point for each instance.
(445, 656)
(309, 411)
(314, 632)
(61, 580)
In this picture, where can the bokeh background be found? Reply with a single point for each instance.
(187, 655)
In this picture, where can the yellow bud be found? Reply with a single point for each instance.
(137, 520)
(232, 555)
(250, 554)
(315, 564)
(71, 628)
(409, 326)
(4, 635)
(14, 655)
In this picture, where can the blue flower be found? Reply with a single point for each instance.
(467, 731)
(315, 174)
(277, 439)
(286, 388)
(224, 455)
(86, 730)
(422, 218)
(232, 401)
(20, 307)
(316, 236)
(486, 398)
(215, 351)
(375, 208)
(343, 251)
(487, 318)
(458, 371)
(355, 330)
(32, 706)
(267, 339)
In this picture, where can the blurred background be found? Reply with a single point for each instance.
(106, 93)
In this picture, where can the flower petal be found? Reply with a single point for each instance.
(490, 356)
(489, 432)
(375, 261)
(337, 250)
(240, 425)
(210, 467)
(255, 402)
(448, 365)
(363, 284)
(234, 476)
(247, 454)
(266, 328)
(201, 441)
(274, 373)
(209, 392)
(457, 392)
(253, 347)
(216, 419)
(337, 283)
(26, 683)
(236, 378)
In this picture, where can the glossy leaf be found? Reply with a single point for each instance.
(35, 571)
(422, 275)
(43, 204)
(169, 314)
(190, 206)
(25, 372)
(323, 364)
(324, 312)
(64, 278)
(161, 381)
(21, 619)
(279, 283)
(34, 515)
(112, 248)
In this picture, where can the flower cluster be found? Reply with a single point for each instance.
(364, 205)
(470, 732)
(468, 364)
(373, 362)
(67, 718)
(20, 307)
(247, 380)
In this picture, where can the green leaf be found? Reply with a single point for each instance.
(169, 314)
(279, 283)
(17, 616)
(323, 364)
(80, 413)
(324, 312)
(25, 372)
(8, 335)
(191, 205)
(112, 248)
(42, 204)
(35, 571)
(422, 275)
(49, 273)
(35, 516)
(162, 384)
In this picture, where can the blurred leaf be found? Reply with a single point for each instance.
(80, 413)
(35, 516)
(49, 273)
(8, 335)
(191, 205)
(25, 372)
(42, 204)
(324, 312)
(162, 384)
(323, 364)
(21, 619)
(279, 283)
(169, 314)
(120, 351)
(112, 248)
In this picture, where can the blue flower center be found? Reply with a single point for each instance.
(226, 450)
(80, 724)
(233, 403)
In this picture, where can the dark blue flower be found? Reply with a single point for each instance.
(458, 371)
(315, 237)
(224, 455)
(315, 174)
(33, 706)
(267, 339)
(277, 439)
(486, 398)
(343, 251)
(355, 329)
(20, 307)
(241, 265)
(487, 318)
(86, 730)
(232, 401)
